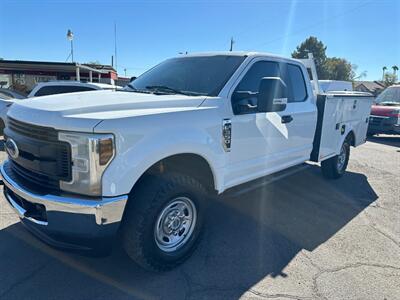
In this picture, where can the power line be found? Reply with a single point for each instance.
(322, 21)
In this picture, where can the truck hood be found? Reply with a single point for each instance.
(384, 111)
(83, 111)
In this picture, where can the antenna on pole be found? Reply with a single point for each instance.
(232, 42)
(115, 46)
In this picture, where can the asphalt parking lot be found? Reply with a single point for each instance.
(300, 237)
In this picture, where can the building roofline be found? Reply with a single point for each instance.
(54, 63)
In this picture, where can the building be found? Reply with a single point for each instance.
(23, 75)
(373, 87)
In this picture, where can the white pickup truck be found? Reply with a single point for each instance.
(141, 162)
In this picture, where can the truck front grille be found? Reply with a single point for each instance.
(376, 120)
(33, 178)
(33, 131)
(43, 160)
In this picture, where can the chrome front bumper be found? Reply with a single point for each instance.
(66, 216)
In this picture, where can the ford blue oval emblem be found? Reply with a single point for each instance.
(12, 148)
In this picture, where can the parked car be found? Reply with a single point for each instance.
(62, 87)
(143, 161)
(385, 113)
(46, 89)
(7, 98)
(8, 94)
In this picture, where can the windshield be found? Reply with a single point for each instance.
(389, 96)
(189, 75)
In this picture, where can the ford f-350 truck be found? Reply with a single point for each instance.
(83, 167)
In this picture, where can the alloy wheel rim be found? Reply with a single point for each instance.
(175, 224)
(342, 158)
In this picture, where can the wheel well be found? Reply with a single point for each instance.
(190, 164)
(351, 137)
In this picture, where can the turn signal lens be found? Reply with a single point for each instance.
(106, 151)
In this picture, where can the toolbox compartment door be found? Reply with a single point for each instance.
(337, 115)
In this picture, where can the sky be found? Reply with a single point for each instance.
(365, 32)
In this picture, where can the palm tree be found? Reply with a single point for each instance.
(395, 69)
(383, 74)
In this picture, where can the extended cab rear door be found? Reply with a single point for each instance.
(263, 143)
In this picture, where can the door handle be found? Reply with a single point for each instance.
(287, 119)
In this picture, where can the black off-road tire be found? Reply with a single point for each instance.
(331, 168)
(152, 194)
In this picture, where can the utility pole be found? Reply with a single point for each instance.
(232, 42)
(115, 46)
(125, 71)
(70, 37)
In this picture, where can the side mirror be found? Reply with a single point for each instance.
(272, 95)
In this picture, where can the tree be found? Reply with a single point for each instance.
(318, 49)
(395, 69)
(390, 79)
(332, 68)
(383, 72)
(357, 76)
(339, 69)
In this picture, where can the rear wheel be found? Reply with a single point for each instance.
(335, 167)
(163, 220)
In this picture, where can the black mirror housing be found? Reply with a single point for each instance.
(272, 95)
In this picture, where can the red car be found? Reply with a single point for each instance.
(385, 113)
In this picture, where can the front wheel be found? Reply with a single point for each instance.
(335, 167)
(163, 220)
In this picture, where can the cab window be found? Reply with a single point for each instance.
(292, 75)
(244, 98)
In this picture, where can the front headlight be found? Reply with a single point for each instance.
(395, 113)
(90, 154)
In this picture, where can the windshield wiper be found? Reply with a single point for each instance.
(164, 88)
(133, 89)
(167, 89)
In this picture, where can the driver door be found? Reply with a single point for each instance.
(262, 143)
